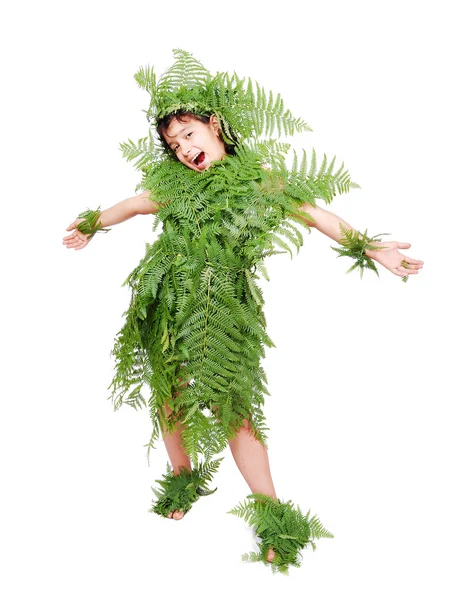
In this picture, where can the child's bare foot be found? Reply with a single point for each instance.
(270, 555)
(175, 514)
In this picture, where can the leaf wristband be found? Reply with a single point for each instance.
(354, 245)
(89, 225)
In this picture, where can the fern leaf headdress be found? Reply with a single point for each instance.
(244, 109)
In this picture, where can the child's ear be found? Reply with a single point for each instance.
(215, 124)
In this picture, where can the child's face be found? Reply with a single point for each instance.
(195, 144)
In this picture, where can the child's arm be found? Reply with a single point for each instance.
(388, 255)
(126, 209)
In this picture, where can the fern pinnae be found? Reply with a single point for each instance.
(252, 557)
(322, 169)
(303, 169)
(317, 530)
(146, 78)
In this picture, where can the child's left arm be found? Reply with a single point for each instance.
(388, 255)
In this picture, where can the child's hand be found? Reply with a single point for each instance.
(76, 240)
(392, 259)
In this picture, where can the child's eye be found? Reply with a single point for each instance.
(189, 134)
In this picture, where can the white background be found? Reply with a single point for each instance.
(361, 412)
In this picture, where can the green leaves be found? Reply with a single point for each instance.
(146, 78)
(243, 107)
(319, 180)
(89, 225)
(146, 150)
(179, 492)
(280, 526)
(405, 264)
(186, 73)
(354, 245)
(196, 310)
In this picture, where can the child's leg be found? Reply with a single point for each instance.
(175, 450)
(253, 462)
(177, 455)
(249, 454)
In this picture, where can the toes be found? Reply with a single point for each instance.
(270, 555)
(176, 514)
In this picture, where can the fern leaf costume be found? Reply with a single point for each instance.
(196, 311)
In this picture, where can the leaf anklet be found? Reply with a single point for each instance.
(179, 492)
(280, 526)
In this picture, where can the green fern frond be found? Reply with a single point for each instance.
(186, 72)
(146, 78)
(147, 150)
(252, 557)
(317, 530)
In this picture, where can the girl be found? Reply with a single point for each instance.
(195, 329)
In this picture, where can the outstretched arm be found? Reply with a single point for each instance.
(388, 255)
(126, 209)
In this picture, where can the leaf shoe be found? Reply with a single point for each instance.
(179, 492)
(282, 528)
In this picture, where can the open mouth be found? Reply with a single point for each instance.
(199, 159)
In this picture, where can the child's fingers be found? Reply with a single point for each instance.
(73, 244)
(414, 261)
(74, 240)
(75, 224)
(408, 268)
(402, 272)
(70, 238)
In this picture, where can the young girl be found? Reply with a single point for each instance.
(195, 329)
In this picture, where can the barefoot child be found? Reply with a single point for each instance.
(195, 329)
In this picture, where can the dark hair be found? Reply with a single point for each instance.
(182, 116)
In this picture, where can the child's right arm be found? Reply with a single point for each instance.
(126, 209)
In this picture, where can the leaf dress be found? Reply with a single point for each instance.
(195, 331)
